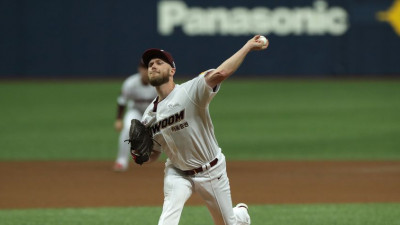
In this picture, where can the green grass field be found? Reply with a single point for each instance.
(254, 120)
(331, 214)
(263, 120)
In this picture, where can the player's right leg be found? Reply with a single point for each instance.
(123, 157)
(177, 190)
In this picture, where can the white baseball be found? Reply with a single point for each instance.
(263, 39)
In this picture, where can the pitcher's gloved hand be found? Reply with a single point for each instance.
(141, 141)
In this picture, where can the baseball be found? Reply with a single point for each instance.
(263, 39)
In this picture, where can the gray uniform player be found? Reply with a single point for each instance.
(136, 95)
(180, 122)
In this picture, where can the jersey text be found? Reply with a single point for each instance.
(171, 120)
(179, 126)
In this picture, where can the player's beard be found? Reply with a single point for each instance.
(160, 80)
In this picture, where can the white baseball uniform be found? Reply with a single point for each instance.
(182, 125)
(136, 97)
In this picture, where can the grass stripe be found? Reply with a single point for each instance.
(313, 214)
(253, 119)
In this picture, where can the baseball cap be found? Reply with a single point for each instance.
(152, 53)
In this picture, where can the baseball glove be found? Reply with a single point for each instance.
(141, 141)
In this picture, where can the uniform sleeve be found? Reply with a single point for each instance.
(199, 92)
(122, 98)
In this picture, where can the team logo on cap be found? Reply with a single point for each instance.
(392, 16)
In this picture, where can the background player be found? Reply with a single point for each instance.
(181, 124)
(136, 95)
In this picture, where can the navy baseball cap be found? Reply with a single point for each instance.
(152, 53)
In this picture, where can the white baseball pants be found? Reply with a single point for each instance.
(124, 153)
(212, 185)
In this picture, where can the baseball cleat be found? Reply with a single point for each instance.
(243, 206)
(118, 167)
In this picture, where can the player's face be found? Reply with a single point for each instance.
(159, 72)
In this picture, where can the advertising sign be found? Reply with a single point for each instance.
(99, 38)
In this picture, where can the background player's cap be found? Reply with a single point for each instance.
(152, 53)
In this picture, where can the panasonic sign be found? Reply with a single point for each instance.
(318, 19)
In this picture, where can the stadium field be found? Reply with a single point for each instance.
(260, 122)
(253, 119)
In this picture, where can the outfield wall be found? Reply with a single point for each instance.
(102, 38)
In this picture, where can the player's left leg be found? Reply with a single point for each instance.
(213, 186)
(241, 211)
(122, 161)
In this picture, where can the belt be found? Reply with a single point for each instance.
(201, 169)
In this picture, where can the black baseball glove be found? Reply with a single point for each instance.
(141, 141)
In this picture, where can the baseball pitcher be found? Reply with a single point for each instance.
(179, 123)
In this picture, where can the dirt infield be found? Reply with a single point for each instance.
(93, 184)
